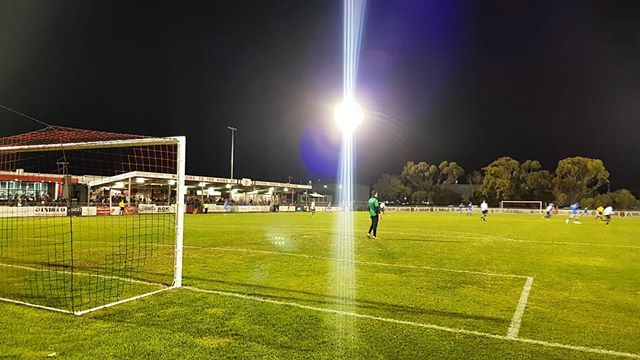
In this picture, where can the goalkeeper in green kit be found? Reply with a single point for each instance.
(374, 212)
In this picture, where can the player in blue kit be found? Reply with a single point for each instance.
(574, 208)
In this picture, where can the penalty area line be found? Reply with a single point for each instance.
(372, 263)
(516, 321)
(416, 324)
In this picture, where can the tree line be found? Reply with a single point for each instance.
(575, 179)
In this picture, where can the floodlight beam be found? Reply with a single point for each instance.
(348, 116)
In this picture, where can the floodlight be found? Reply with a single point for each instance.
(140, 180)
(348, 115)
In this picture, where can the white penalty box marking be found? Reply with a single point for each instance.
(516, 320)
(416, 324)
(356, 261)
(454, 234)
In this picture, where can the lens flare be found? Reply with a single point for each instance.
(348, 116)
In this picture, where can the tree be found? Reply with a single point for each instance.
(508, 179)
(624, 199)
(620, 199)
(420, 177)
(450, 172)
(578, 178)
(420, 197)
(535, 184)
(391, 188)
(426, 181)
(501, 179)
(474, 178)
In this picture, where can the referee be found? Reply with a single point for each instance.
(374, 211)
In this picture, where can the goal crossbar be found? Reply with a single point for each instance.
(175, 140)
(537, 203)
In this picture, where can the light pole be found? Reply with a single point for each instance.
(233, 133)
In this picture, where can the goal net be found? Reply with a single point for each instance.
(89, 219)
(522, 204)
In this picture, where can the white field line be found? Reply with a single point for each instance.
(571, 243)
(416, 324)
(79, 313)
(83, 274)
(163, 288)
(35, 305)
(356, 261)
(479, 236)
(447, 234)
(516, 321)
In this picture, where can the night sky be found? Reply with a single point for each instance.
(464, 81)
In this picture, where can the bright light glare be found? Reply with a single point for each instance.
(348, 115)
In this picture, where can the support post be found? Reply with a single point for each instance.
(233, 134)
(177, 273)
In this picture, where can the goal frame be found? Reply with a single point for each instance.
(538, 202)
(180, 143)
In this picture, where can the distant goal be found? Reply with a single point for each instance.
(520, 204)
(89, 219)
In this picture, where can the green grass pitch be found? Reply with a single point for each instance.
(432, 286)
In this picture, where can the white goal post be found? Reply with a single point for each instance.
(521, 204)
(89, 219)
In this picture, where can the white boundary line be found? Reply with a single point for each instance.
(79, 313)
(415, 324)
(475, 236)
(357, 261)
(35, 305)
(569, 243)
(163, 288)
(516, 321)
(485, 237)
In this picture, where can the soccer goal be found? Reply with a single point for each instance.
(521, 204)
(89, 219)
